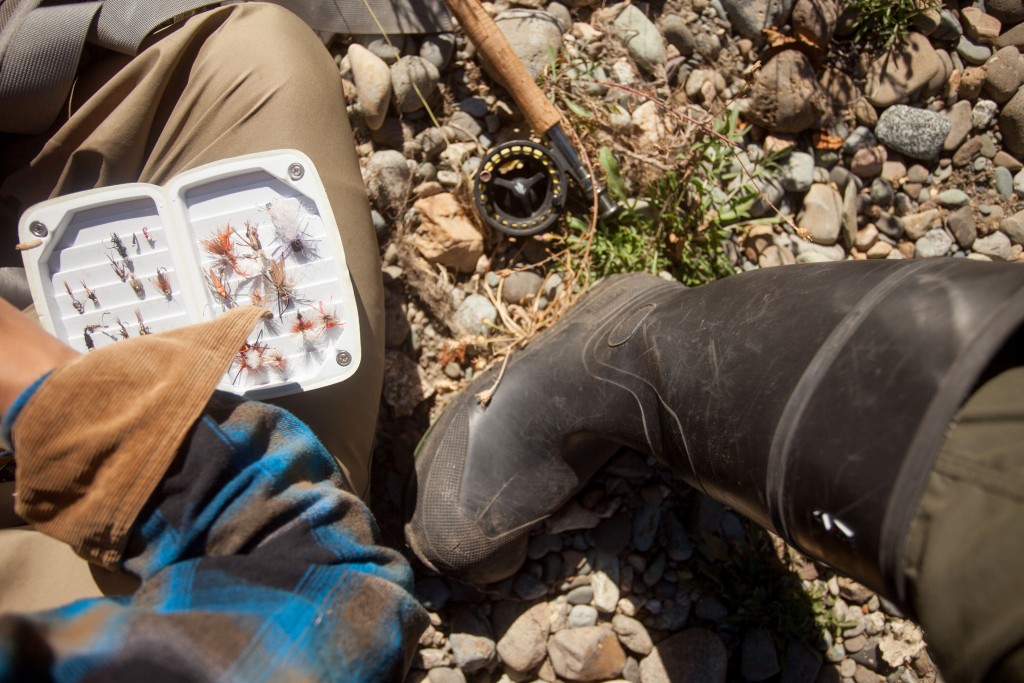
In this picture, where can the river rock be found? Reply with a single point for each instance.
(915, 225)
(972, 52)
(438, 48)
(695, 655)
(446, 235)
(1014, 36)
(641, 37)
(532, 35)
(822, 214)
(678, 34)
(1003, 74)
(471, 652)
(632, 634)
(1006, 11)
(786, 97)
(388, 49)
(1003, 182)
(936, 242)
(409, 74)
(797, 172)
(959, 125)
(750, 17)
(916, 133)
(475, 315)
(387, 177)
(953, 198)
(979, 26)
(997, 245)
(586, 654)
(521, 286)
(902, 74)
(867, 162)
(963, 225)
(815, 21)
(1013, 226)
(373, 84)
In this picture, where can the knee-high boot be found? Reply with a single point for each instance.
(813, 399)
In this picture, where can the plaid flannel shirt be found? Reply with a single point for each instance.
(256, 564)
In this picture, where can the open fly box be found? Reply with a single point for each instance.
(113, 263)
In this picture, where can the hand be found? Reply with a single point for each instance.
(29, 352)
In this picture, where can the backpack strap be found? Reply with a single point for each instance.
(43, 47)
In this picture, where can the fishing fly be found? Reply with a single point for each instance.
(118, 245)
(290, 219)
(161, 282)
(74, 302)
(120, 269)
(221, 246)
(136, 284)
(87, 334)
(283, 286)
(143, 328)
(218, 287)
(91, 294)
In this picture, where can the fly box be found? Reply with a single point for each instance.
(113, 263)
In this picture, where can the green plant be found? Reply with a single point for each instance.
(684, 222)
(883, 22)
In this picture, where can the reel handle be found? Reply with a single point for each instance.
(493, 45)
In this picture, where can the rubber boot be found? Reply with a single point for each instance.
(811, 398)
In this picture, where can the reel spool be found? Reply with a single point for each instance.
(520, 188)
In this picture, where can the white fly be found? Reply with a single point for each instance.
(290, 219)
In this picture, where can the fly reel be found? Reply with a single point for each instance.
(520, 188)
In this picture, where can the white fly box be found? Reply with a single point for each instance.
(116, 262)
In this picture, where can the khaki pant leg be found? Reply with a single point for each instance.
(38, 572)
(965, 559)
(233, 81)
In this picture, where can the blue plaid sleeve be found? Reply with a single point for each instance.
(256, 564)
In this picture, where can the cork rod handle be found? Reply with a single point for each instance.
(493, 45)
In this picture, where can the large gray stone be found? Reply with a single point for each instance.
(409, 75)
(475, 316)
(641, 37)
(903, 73)
(822, 214)
(997, 245)
(532, 35)
(750, 17)
(916, 133)
(936, 242)
(786, 97)
(797, 172)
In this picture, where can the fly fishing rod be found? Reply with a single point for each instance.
(520, 188)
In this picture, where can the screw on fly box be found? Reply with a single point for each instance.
(138, 259)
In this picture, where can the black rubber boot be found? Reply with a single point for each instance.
(813, 399)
